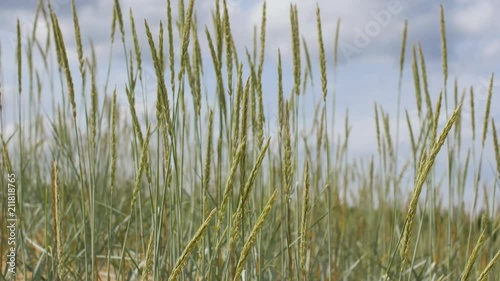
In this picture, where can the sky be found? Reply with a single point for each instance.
(369, 50)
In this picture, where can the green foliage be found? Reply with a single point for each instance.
(106, 195)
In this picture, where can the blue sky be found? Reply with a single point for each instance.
(372, 29)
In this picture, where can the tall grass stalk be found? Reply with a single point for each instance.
(118, 184)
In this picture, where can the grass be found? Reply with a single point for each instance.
(105, 194)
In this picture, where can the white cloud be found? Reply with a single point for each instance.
(363, 81)
(475, 17)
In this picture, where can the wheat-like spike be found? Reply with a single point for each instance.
(253, 173)
(236, 110)
(281, 102)
(29, 57)
(171, 57)
(472, 115)
(119, 18)
(163, 102)
(487, 269)
(234, 52)
(287, 180)
(35, 21)
(295, 48)
(238, 215)
(132, 78)
(253, 235)
(186, 29)
(137, 47)
(149, 258)
(253, 98)
(181, 11)
(94, 104)
(303, 224)
(347, 128)
(420, 180)
(403, 53)
(243, 130)
(63, 61)
(244, 113)
(288, 152)
(387, 131)
(78, 37)
(262, 40)
(246, 191)
(219, 30)
(193, 74)
(424, 78)
(259, 74)
(473, 256)
(208, 156)
(189, 248)
(496, 146)
(258, 119)
(56, 211)
(416, 80)
(487, 111)
(322, 56)
(308, 76)
(402, 247)
(135, 120)
(444, 49)
(113, 26)
(45, 48)
(19, 58)
(218, 71)
(161, 55)
(435, 121)
(229, 183)
(198, 66)
(229, 48)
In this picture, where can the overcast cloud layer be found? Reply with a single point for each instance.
(370, 42)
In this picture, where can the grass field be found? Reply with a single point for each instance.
(204, 187)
